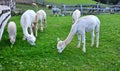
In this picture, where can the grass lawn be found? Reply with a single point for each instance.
(44, 56)
(72, 1)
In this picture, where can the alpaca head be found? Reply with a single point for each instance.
(12, 40)
(31, 39)
(60, 45)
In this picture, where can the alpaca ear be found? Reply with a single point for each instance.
(58, 39)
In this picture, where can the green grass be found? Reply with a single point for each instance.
(72, 1)
(28, 6)
(44, 56)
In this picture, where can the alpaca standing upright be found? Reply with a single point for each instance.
(40, 16)
(85, 24)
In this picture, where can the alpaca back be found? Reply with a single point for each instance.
(41, 15)
(88, 23)
(27, 18)
(12, 29)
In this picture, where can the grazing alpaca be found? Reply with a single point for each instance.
(85, 24)
(40, 15)
(12, 32)
(27, 19)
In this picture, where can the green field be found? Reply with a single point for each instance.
(72, 1)
(44, 56)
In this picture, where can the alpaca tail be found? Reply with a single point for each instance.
(98, 25)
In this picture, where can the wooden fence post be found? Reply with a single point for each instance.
(81, 8)
(98, 8)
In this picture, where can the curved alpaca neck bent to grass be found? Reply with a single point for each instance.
(26, 33)
(70, 36)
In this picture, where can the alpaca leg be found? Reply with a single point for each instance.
(36, 32)
(79, 39)
(45, 22)
(92, 38)
(83, 42)
(97, 39)
(97, 35)
(31, 31)
(41, 27)
(24, 37)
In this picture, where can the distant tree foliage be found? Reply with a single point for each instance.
(108, 1)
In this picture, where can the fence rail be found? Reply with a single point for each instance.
(91, 8)
(85, 8)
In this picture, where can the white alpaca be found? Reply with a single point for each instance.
(85, 24)
(27, 19)
(76, 15)
(40, 16)
(12, 32)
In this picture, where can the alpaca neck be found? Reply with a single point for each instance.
(26, 33)
(70, 36)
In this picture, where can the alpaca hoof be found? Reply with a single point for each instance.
(92, 45)
(41, 30)
(96, 46)
(84, 50)
(78, 46)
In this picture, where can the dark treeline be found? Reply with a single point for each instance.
(108, 1)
